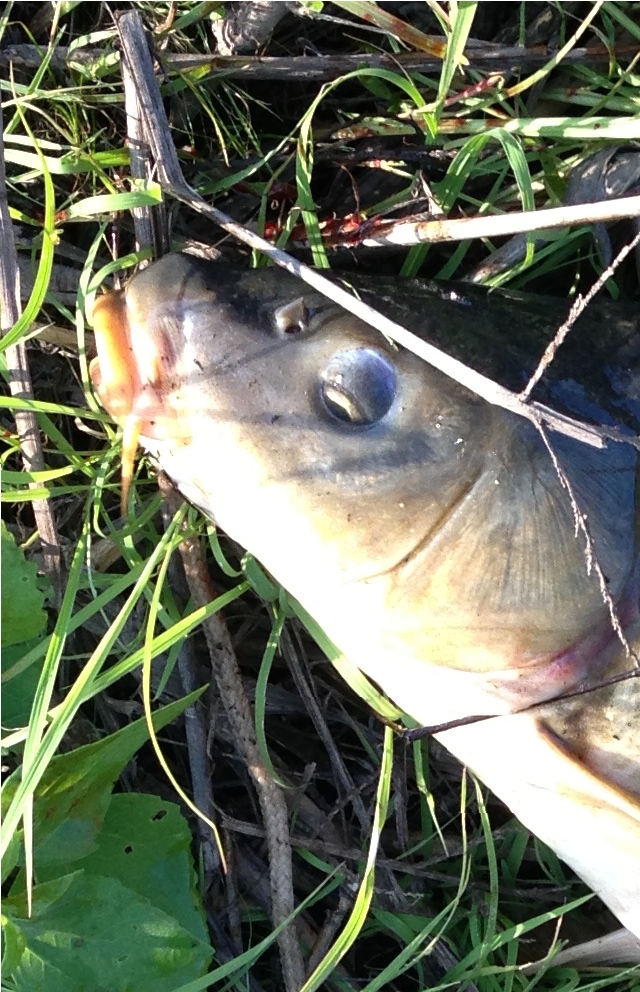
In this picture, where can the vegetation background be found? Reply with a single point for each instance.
(313, 124)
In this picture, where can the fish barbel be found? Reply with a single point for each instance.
(427, 531)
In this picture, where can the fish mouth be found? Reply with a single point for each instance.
(134, 378)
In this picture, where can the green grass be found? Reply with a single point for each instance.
(472, 876)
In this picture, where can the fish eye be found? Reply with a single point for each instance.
(358, 386)
(291, 318)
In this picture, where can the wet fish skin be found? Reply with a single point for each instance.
(426, 531)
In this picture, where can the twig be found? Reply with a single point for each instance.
(147, 235)
(21, 388)
(464, 228)
(236, 705)
(319, 68)
(196, 732)
(63, 283)
(226, 952)
(330, 927)
(232, 898)
(339, 768)
(172, 180)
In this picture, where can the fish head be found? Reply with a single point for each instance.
(416, 522)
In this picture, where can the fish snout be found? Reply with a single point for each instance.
(134, 377)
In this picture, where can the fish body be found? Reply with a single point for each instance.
(428, 532)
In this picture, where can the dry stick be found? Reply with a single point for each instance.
(173, 182)
(331, 925)
(196, 732)
(463, 228)
(343, 854)
(319, 68)
(63, 282)
(225, 951)
(20, 387)
(140, 164)
(299, 673)
(272, 803)
(231, 893)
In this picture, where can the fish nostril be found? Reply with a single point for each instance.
(358, 386)
(291, 318)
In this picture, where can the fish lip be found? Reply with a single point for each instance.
(129, 376)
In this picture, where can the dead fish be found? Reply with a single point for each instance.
(426, 531)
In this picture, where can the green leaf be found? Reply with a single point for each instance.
(91, 932)
(23, 616)
(462, 14)
(75, 791)
(146, 844)
(254, 574)
(92, 206)
(18, 686)
(14, 945)
(45, 255)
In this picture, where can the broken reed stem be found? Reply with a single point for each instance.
(498, 226)
(312, 68)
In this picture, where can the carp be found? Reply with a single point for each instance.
(434, 537)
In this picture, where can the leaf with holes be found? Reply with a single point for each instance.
(74, 794)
